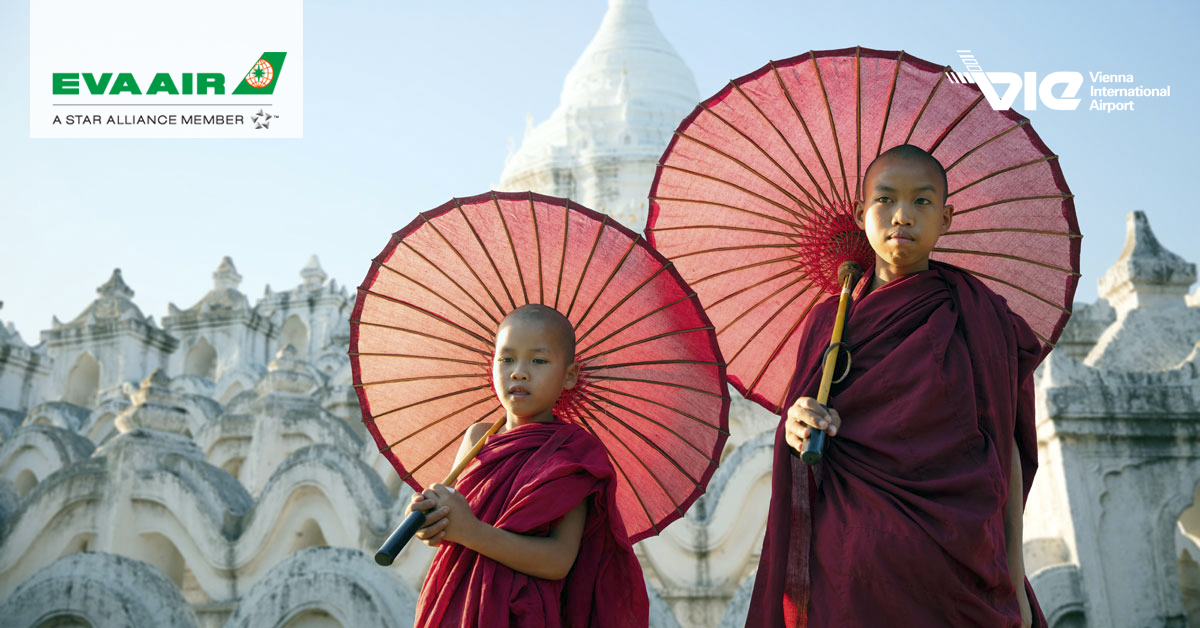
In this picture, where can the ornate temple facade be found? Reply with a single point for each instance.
(212, 469)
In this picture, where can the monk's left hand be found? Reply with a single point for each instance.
(805, 415)
(459, 519)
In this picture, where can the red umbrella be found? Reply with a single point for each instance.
(652, 383)
(752, 198)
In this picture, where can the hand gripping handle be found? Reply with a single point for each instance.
(400, 537)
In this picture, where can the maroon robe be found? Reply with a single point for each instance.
(902, 523)
(524, 481)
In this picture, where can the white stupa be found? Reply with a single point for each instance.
(620, 104)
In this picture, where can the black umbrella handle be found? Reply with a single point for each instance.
(814, 446)
(398, 539)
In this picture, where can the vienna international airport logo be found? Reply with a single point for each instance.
(260, 80)
(1043, 90)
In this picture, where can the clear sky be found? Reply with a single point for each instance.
(408, 104)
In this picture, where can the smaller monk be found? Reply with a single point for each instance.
(913, 517)
(530, 536)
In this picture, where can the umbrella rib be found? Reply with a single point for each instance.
(487, 254)
(608, 282)
(752, 171)
(429, 424)
(715, 428)
(1007, 256)
(649, 441)
(639, 319)
(1015, 199)
(422, 334)
(722, 206)
(628, 482)
(638, 458)
(887, 110)
(424, 401)
(731, 228)
(770, 318)
(953, 125)
(832, 127)
(601, 367)
(417, 357)
(461, 258)
(779, 347)
(1025, 290)
(449, 442)
(625, 298)
(587, 264)
(928, 99)
(511, 247)
(719, 249)
(731, 184)
(791, 149)
(451, 280)
(537, 238)
(405, 380)
(745, 311)
(649, 339)
(858, 115)
(613, 378)
(760, 150)
(562, 260)
(422, 310)
(1014, 230)
(756, 284)
(1004, 170)
(995, 137)
(804, 125)
(435, 454)
(440, 296)
(746, 267)
(1043, 339)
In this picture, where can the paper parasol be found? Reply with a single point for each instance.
(752, 198)
(652, 382)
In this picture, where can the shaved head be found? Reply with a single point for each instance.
(555, 322)
(907, 152)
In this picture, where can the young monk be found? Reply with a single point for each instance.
(530, 536)
(913, 518)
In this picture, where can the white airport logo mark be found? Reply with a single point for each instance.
(1016, 84)
(1044, 90)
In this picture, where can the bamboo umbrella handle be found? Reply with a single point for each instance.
(416, 519)
(814, 445)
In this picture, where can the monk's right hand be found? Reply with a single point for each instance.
(805, 415)
(434, 530)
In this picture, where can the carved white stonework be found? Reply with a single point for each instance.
(222, 318)
(1112, 522)
(1155, 329)
(620, 104)
(23, 372)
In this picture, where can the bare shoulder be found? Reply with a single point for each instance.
(474, 433)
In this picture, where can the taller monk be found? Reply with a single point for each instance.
(913, 518)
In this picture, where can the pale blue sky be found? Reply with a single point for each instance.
(409, 104)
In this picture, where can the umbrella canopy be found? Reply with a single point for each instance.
(753, 196)
(652, 382)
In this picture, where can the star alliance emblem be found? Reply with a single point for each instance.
(262, 120)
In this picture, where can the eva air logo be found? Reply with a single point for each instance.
(259, 80)
(263, 74)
